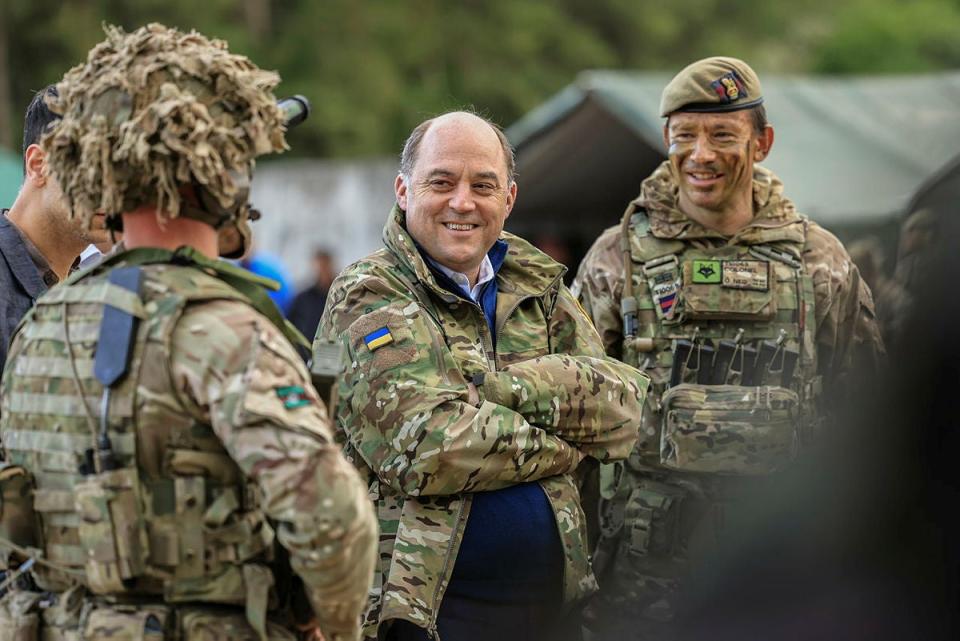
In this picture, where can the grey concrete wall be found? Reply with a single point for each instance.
(338, 205)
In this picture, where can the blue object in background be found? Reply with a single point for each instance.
(272, 267)
(11, 176)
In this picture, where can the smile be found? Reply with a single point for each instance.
(459, 226)
(703, 177)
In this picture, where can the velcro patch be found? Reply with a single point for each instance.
(746, 274)
(293, 396)
(706, 272)
(378, 338)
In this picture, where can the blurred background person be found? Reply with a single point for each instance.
(307, 306)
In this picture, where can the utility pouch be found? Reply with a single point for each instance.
(729, 429)
(18, 522)
(225, 625)
(127, 623)
(61, 614)
(19, 619)
(651, 519)
(112, 530)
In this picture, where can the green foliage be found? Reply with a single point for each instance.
(375, 68)
(905, 36)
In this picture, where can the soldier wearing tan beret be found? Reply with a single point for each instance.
(748, 317)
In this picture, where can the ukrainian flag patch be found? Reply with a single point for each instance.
(378, 338)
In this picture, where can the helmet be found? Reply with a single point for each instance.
(162, 118)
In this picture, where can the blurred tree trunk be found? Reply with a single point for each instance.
(6, 111)
(257, 13)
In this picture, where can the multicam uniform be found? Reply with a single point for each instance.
(705, 308)
(161, 495)
(427, 440)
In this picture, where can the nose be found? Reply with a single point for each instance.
(702, 151)
(461, 201)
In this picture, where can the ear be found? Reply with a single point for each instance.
(35, 165)
(400, 189)
(511, 198)
(764, 144)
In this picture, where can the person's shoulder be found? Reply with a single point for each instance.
(227, 330)
(377, 272)
(605, 254)
(822, 242)
(824, 255)
(609, 239)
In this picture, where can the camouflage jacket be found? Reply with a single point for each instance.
(221, 444)
(845, 335)
(427, 439)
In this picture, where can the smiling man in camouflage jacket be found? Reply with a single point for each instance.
(749, 318)
(475, 386)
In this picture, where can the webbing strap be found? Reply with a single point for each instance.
(251, 286)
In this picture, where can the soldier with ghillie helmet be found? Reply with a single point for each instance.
(749, 318)
(169, 471)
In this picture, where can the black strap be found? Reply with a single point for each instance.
(117, 330)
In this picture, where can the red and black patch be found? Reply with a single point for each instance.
(729, 87)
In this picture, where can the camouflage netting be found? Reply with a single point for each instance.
(153, 110)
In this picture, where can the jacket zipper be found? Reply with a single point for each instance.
(432, 629)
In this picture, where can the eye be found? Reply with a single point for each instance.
(682, 136)
(484, 188)
(441, 183)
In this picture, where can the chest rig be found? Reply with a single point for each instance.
(726, 334)
(133, 496)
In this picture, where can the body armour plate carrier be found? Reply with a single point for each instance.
(726, 334)
(166, 512)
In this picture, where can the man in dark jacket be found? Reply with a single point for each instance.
(38, 241)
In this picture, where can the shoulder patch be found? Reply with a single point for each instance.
(378, 338)
(292, 396)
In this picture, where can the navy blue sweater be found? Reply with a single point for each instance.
(511, 550)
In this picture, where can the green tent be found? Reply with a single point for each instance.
(851, 150)
(11, 175)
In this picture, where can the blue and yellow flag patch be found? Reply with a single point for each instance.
(378, 338)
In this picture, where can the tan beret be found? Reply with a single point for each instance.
(712, 85)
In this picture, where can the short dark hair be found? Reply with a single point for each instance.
(758, 116)
(408, 158)
(38, 118)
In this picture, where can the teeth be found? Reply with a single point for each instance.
(456, 227)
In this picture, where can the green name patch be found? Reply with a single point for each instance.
(293, 396)
(707, 272)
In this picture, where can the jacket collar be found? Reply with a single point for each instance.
(526, 270)
(776, 218)
(15, 252)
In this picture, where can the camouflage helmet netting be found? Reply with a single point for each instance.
(155, 109)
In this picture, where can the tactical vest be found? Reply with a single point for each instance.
(727, 336)
(133, 497)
